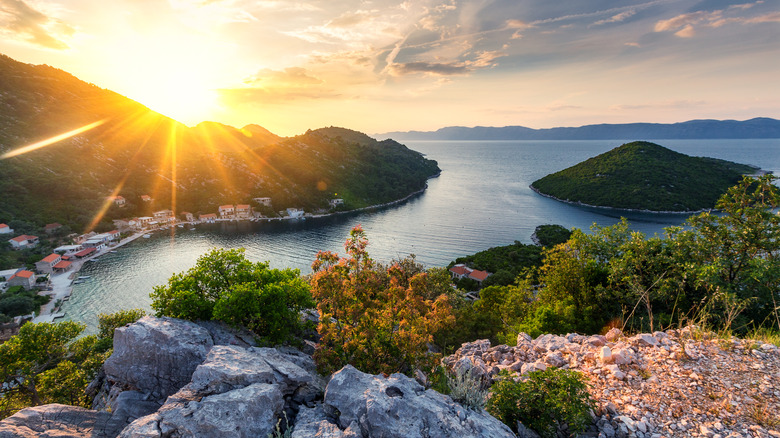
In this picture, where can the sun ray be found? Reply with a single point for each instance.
(51, 140)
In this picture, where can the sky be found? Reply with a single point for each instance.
(378, 66)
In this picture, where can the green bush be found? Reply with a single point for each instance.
(225, 286)
(544, 402)
(468, 390)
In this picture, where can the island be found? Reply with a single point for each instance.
(644, 176)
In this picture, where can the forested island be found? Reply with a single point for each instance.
(644, 176)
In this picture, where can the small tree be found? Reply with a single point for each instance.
(225, 286)
(379, 319)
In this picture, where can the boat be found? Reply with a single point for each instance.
(146, 236)
(180, 226)
(84, 277)
(78, 281)
(192, 229)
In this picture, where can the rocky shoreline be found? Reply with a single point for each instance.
(168, 377)
(633, 210)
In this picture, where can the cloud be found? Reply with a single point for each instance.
(617, 18)
(32, 25)
(667, 105)
(683, 25)
(438, 69)
(292, 76)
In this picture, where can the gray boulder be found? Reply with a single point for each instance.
(398, 406)
(246, 412)
(60, 421)
(157, 356)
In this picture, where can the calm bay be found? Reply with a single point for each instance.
(480, 200)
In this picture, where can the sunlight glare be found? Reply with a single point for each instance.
(51, 140)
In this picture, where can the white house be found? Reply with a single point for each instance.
(119, 201)
(5, 229)
(243, 211)
(23, 242)
(336, 202)
(295, 212)
(162, 215)
(226, 211)
(264, 201)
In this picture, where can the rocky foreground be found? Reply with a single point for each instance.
(678, 383)
(173, 378)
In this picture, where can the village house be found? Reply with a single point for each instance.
(461, 271)
(243, 211)
(23, 242)
(62, 266)
(5, 229)
(46, 265)
(143, 222)
(163, 215)
(336, 202)
(263, 201)
(226, 211)
(210, 217)
(52, 228)
(84, 253)
(187, 216)
(295, 212)
(67, 249)
(146, 198)
(23, 278)
(122, 224)
(119, 201)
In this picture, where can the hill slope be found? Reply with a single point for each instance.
(759, 127)
(137, 151)
(644, 176)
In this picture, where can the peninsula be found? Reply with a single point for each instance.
(644, 176)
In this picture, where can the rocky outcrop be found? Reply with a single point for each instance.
(59, 421)
(398, 406)
(672, 383)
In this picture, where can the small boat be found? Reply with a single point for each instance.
(146, 236)
(84, 277)
(180, 226)
(192, 229)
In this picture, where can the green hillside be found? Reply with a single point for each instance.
(139, 152)
(644, 176)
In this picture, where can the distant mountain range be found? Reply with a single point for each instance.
(760, 127)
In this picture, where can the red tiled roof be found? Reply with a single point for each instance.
(113, 232)
(242, 206)
(50, 258)
(23, 237)
(225, 206)
(86, 252)
(62, 265)
(3, 226)
(52, 226)
(459, 270)
(479, 275)
(23, 274)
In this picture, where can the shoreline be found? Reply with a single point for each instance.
(62, 284)
(632, 210)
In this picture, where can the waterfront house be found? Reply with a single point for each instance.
(46, 265)
(23, 278)
(62, 266)
(226, 211)
(23, 242)
(84, 253)
(52, 228)
(243, 211)
(187, 216)
(146, 198)
(145, 221)
(6, 274)
(113, 235)
(67, 249)
(264, 201)
(163, 215)
(98, 243)
(210, 217)
(295, 212)
(336, 202)
(5, 229)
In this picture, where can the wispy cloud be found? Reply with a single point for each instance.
(683, 25)
(22, 21)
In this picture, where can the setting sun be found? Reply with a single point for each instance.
(170, 74)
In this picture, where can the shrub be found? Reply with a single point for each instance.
(376, 318)
(544, 402)
(468, 390)
(225, 286)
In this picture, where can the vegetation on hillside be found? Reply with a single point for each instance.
(644, 176)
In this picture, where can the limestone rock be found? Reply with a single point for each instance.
(56, 420)
(397, 406)
(157, 355)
